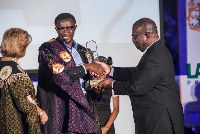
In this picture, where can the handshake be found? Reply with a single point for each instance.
(100, 70)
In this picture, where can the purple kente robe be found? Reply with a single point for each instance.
(61, 96)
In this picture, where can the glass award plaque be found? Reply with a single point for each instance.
(92, 55)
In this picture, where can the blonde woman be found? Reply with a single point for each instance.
(18, 111)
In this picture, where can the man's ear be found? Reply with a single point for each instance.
(75, 27)
(147, 36)
(56, 28)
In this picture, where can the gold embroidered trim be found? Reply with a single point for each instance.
(14, 77)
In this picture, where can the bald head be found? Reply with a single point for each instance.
(144, 33)
(146, 25)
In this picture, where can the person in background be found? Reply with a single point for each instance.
(106, 117)
(109, 61)
(151, 84)
(19, 114)
(62, 76)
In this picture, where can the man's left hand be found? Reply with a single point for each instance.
(106, 83)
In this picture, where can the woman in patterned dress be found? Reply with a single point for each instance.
(19, 113)
(105, 115)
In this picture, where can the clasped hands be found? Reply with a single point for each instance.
(100, 70)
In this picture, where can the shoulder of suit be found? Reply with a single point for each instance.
(47, 44)
(81, 47)
(51, 40)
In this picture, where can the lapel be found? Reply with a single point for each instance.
(82, 51)
(150, 49)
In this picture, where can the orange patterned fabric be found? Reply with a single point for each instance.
(51, 40)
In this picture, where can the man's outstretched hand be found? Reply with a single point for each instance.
(105, 67)
(96, 69)
(104, 84)
(99, 69)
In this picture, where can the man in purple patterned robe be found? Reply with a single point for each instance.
(62, 77)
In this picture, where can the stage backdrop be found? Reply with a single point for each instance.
(108, 22)
(189, 59)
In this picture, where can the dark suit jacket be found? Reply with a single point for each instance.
(153, 93)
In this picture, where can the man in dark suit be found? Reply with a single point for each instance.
(151, 84)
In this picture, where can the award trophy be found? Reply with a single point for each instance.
(92, 55)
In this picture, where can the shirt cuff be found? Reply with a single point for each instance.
(111, 71)
(113, 83)
(84, 68)
(113, 94)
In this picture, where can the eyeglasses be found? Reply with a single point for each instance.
(136, 35)
(67, 28)
(29, 38)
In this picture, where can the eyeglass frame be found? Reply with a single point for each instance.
(67, 28)
(136, 35)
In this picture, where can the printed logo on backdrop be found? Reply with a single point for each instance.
(193, 75)
(193, 17)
